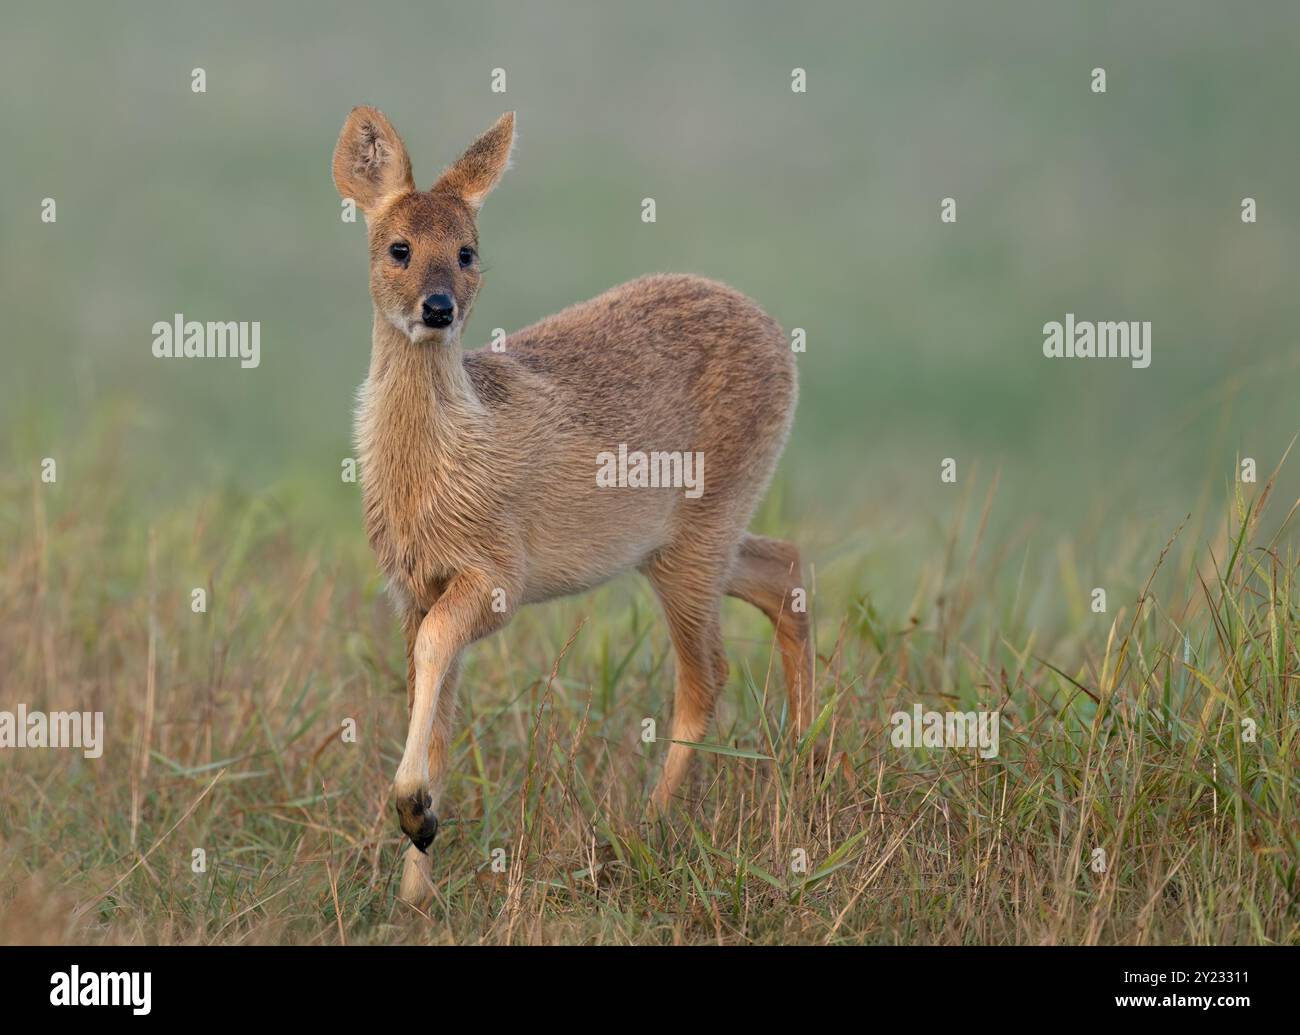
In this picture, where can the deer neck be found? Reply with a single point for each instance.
(425, 444)
(423, 435)
(418, 398)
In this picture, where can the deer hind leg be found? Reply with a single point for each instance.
(765, 574)
(689, 590)
(417, 869)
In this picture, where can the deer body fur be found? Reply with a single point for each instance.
(479, 468)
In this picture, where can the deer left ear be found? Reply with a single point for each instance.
(370, 160)
(479, 169)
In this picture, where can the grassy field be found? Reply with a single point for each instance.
(1121, 732)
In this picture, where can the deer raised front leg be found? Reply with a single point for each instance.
(462, 615)
(417, 871)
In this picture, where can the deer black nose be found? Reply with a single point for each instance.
(439, 311)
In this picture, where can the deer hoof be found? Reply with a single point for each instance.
(415, 813)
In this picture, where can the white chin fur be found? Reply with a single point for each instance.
(418, 334)
(422, 335)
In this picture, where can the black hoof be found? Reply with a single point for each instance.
(417, 819)
(428, 831)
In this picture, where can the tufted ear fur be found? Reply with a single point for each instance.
(479, 169)
(370, 160)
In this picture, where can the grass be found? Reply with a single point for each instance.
(1121, 733)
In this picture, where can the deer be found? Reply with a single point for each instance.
(478, 467)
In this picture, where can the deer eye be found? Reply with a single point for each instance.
(400, 251)
(466, 256)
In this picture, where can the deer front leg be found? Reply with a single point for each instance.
(461, 615)
(417, 870)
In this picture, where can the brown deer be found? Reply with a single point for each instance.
(479, 469)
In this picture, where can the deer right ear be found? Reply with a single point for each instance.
(477, 171)
(370, 160)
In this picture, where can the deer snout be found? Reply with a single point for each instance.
(438, 311)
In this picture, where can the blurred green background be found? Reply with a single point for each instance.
(924, 339)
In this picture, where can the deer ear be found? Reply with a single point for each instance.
(370, 160)
(477, 171)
